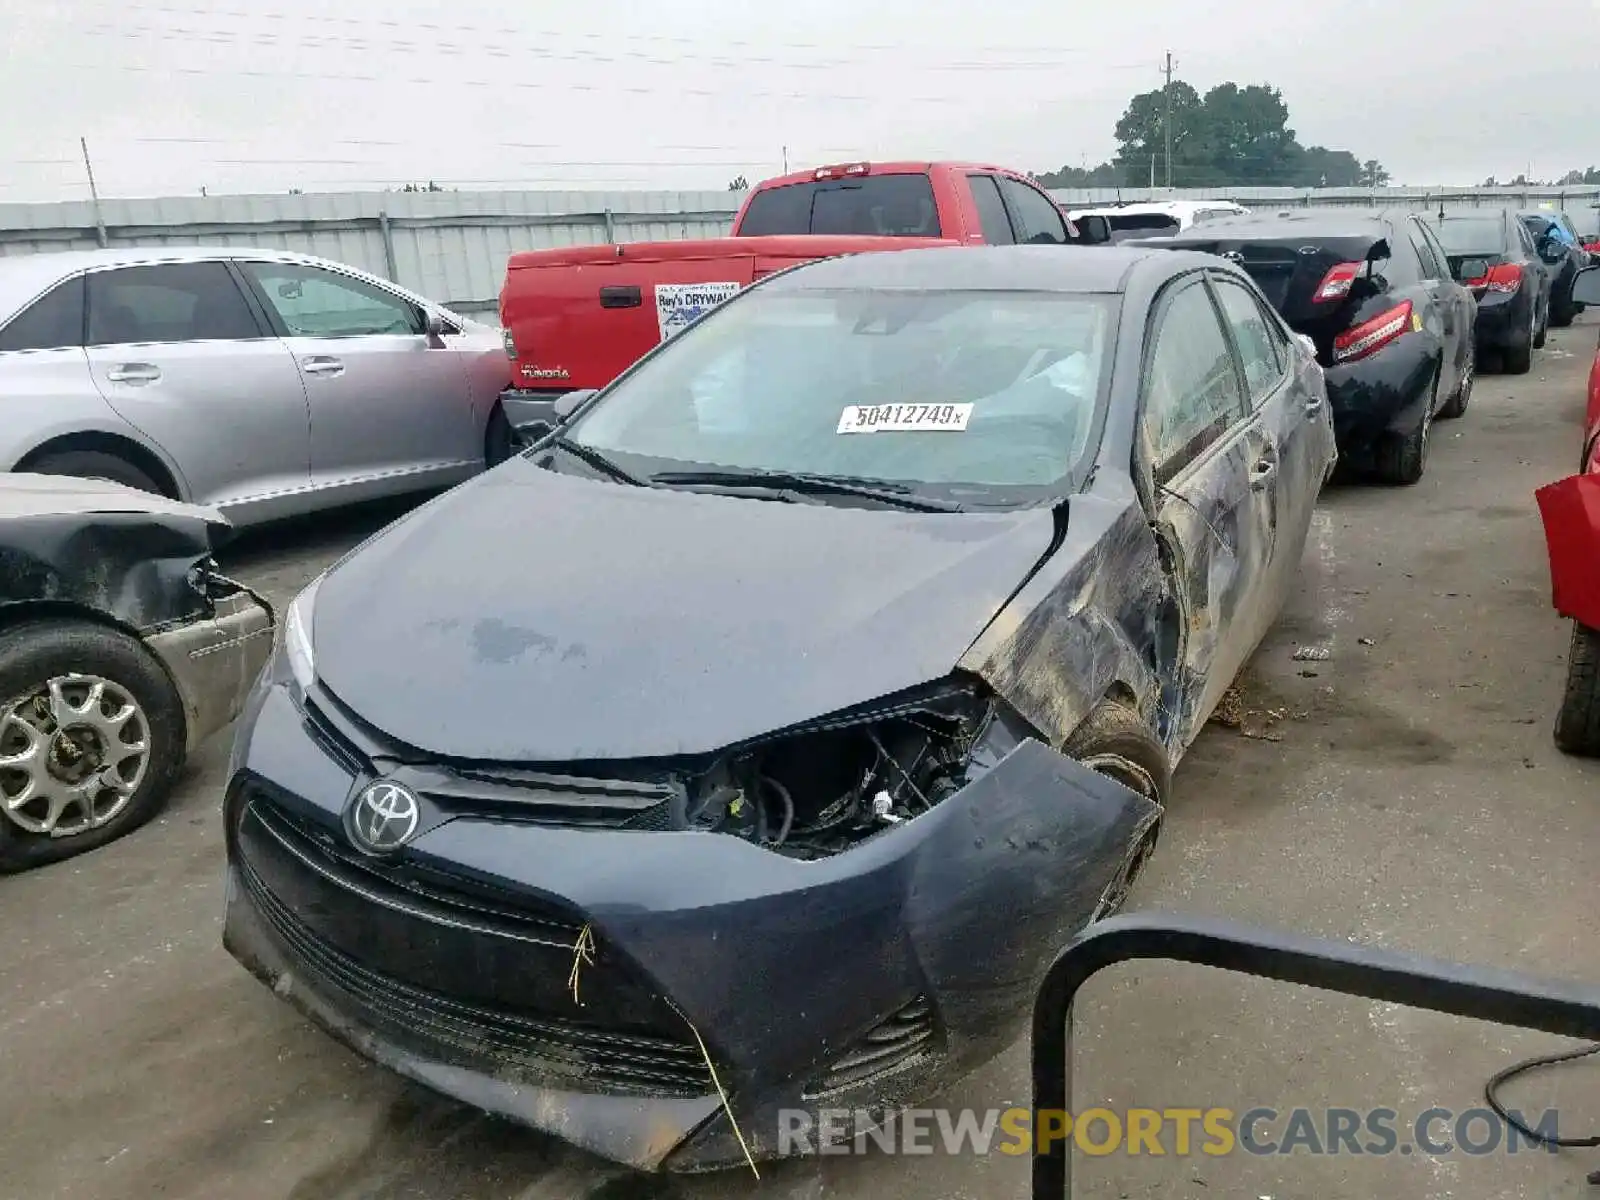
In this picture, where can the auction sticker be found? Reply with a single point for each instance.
(904, 418)
(679, 304)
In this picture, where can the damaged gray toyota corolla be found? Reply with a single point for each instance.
(750, 744)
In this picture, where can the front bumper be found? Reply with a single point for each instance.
(867, 979)
(1570, 510)
(214, 661)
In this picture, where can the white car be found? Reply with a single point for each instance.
(1156, 218)
(263, 382)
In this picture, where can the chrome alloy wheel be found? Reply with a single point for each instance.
(72, 754)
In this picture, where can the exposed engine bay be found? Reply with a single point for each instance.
(819, 791)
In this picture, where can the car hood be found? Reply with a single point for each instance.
(536, 617)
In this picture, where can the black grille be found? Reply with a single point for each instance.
(901, 1040)
(555, 1052)
(428, 893)
(617, 797)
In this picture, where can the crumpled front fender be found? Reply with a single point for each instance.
(1571, 513)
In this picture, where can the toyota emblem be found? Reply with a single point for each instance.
(385, 817)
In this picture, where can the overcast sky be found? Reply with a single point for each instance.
(272, 94)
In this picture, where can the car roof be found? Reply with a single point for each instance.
(1312, 222)
(1064, 269)
(1176, 208)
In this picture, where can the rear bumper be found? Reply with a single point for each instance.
(1388, 392)
(1504, 322)
(530, 414)
(215, 661)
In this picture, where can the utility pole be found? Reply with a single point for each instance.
(94, 195)
(1166, 122)
(786, 160)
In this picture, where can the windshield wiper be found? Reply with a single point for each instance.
(595, 459)
(812, 485)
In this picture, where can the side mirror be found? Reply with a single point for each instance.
(568, 406)
(1473, 268)
(1093, 230)
(1586, 286)
(433, 326)
(1551, 250)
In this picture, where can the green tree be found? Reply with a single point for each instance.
(739, 184)
(1232, 136)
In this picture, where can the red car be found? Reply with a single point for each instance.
(1571, 513)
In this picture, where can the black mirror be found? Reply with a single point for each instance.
(1473, 268)
(1501, 997)
(1093, 230)
(1586, 286)
(1552, 250)
(568, 406)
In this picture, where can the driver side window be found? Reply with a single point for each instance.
(312, 302)
(1192, 394)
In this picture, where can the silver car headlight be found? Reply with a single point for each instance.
(297, 643)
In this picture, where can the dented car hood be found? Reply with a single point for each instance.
(538, 617)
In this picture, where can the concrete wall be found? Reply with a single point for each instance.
(452, 246)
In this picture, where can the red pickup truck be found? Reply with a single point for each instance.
(576, 317)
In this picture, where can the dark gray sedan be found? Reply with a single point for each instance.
(748, 746)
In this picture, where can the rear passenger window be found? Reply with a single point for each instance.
(1258, 348)
(991, 210)
(52, 322)
(1040, 220)
(171, 302)
(1191, 389)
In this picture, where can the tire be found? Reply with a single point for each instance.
(497, 438)
(1561, 312)
(1115, 742)
(1456, 406)
(1578, 721)
(1519, 359)
(1543, 333)
(95, 464)
(37, 653)
(1403, 458)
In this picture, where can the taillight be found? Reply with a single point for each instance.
(842, 170)
(1336, 284)
(1505, 279)
(510, 344)
(1373, 335)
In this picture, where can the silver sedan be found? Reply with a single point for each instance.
(264, 382)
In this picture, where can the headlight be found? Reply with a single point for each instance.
(297, 643)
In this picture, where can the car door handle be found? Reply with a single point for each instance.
(1261, 474)
(136, 374)
(321, 365)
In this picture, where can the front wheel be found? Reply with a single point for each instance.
(1116, 743)
(91, 736)
(1578, 721)
(1457, 404)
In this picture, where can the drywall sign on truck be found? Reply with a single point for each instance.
(680, 304)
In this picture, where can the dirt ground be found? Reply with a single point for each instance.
(1405, 793)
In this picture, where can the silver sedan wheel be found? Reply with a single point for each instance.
(72, 755)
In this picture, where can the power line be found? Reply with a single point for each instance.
(545, 36)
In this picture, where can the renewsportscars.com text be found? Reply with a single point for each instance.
(1179, 1132)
